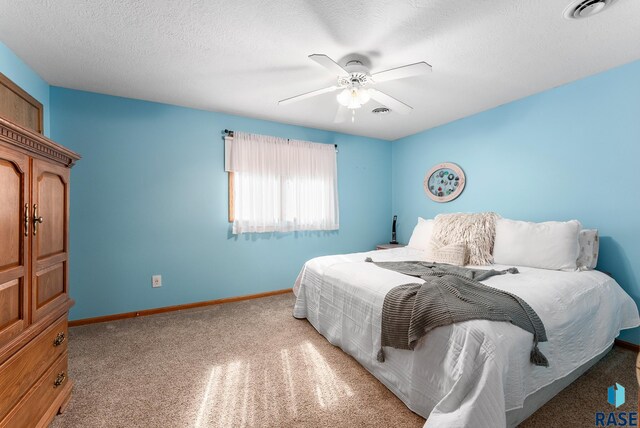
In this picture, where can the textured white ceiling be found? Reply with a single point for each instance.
(243, 56)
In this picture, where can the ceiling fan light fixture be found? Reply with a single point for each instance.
(344, 97)
(353, 98)
(363, 96)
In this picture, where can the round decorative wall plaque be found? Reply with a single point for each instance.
(444, 182)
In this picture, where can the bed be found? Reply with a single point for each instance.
(475, 373)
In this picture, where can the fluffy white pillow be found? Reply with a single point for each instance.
(475, 230)
(421, 236)
(588, 242)
(549, 245)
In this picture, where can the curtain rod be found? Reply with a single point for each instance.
(230, 134)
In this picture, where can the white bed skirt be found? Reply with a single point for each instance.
(539, 398)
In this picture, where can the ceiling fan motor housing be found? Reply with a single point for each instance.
(356, 66)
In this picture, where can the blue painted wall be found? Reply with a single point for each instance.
(571, 152)
(149, 196)
(22, 75)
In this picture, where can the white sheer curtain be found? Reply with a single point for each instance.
(282, 185)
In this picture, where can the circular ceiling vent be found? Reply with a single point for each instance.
(381, 110)
(586, 8)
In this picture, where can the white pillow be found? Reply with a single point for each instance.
(453, 254)
(549, 245)
(421, 236)
(589, 247)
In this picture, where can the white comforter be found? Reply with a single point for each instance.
(470, 373)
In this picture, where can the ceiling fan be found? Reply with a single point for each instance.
(355, 84)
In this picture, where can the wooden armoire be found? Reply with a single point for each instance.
(34, 269)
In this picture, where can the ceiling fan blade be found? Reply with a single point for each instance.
(341, 114)
(329, 64)
(390, 102)
(417, 69)
(307, 95)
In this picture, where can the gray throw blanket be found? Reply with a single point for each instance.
(450, 294)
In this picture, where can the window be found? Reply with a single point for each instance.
(281, 185)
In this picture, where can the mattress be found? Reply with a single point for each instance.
(471, 371)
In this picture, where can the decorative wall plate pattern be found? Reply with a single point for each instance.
(444, 182)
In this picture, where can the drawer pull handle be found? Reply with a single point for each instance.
(59, 339)
(59, 379)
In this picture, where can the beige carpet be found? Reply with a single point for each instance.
(252, 364)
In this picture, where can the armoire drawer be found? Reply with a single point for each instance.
(38, 402)
(24, 368)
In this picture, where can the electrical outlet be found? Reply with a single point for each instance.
(156, 281)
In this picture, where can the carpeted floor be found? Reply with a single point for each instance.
(252, 364)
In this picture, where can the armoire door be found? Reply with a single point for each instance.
(14, 244)
(49, 225)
